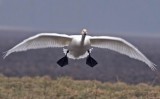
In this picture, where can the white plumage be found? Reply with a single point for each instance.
(79, 46)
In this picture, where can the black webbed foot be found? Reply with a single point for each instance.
(63, 61)
(91, 61)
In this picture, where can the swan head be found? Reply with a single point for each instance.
(84, 32)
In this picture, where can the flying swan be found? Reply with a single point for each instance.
(80, 46)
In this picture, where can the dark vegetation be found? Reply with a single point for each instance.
(112, 67)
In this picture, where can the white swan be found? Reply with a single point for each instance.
(79, 46)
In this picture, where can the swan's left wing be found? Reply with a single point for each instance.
(42, 40)
(122, 46)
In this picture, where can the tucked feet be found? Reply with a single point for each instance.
(63, 61)
(91, 61)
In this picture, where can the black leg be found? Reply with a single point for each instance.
(91, 61)
(63, 61)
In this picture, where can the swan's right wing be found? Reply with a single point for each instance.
(122, 46)
(42, 40)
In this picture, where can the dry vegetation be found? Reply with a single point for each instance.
(67, 88)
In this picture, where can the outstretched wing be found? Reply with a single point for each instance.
(42, 40)
(122, 46)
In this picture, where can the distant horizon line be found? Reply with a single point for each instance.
(30, 29)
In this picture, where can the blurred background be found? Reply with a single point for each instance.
(137, 21)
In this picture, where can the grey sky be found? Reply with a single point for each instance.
(115, 16)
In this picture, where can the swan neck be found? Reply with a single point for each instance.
(82, 40)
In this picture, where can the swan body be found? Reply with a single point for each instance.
(80, 46)
(77, 49)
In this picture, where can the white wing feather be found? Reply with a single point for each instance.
(42, 40)
(122, 46)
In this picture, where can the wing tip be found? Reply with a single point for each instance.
(153, 67)
(5, 54)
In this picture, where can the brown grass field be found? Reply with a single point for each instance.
(67, 88)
